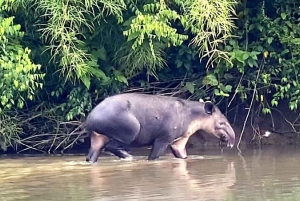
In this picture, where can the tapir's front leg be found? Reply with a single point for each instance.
(159, 147)
(178, 148)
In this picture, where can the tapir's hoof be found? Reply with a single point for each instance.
(90, 160)
(128, 158)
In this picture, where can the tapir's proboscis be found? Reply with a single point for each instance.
(139, 120)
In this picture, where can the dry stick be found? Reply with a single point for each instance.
(256, 131)
(39, 135)
(296, 119)
(76, 123)
(67, 138)
(252, 100)
(64, 140)
(235, 115)
(54, 140)
(291, 124)
(29, 147)
(71, 144)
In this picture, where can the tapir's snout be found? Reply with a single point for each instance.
(225, 132)
(228, 136)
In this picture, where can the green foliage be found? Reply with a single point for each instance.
(211, 23)
(151, 32)
(263, 62)
(79, 100)
(132, 62)
(19, 76)
(186, 58)
(64, 26)
(153, 23)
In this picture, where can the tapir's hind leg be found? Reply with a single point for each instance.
(122, 127)
(98, 142)
(117, 149)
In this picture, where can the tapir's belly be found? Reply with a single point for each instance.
(146, 136)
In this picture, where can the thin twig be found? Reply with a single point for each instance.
(249, 110)
(235, 93)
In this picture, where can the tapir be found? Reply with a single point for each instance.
(138, 120)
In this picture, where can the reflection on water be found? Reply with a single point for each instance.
(257, 175)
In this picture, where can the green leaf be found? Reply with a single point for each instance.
(251, 62)
(98, 73)
(285, 29)
(228, 76)
(232, 42)
(259, 27)
(178, 63)
(129, 21)
(187, 66)
(266, 110)
(181, 51)
(270, 40)
(86, 81)
(122, 79)
(239, 56)
(284, 52)
(92, 63)
(210, 80)
(190, 86)
(283, 15)
(251, 27)
(246, 56)
(260, 48)
(16, 83)
(296, 41)
(217, 92)
(228, 88)
(289, 24)
(274, 102)
(101, 53)
(133, 36)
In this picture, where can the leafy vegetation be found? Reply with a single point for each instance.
(60, 58)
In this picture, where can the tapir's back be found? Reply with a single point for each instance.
(143, 103)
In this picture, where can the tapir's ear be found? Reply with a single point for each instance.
(201, 100)
(209, 107)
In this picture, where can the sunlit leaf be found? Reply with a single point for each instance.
(190, 86)
(210, 80)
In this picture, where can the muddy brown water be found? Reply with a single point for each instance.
(256, 174)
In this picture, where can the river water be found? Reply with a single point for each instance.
(255, 174)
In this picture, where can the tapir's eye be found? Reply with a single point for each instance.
(222, 123)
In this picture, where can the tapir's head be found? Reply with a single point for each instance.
(215, 123)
